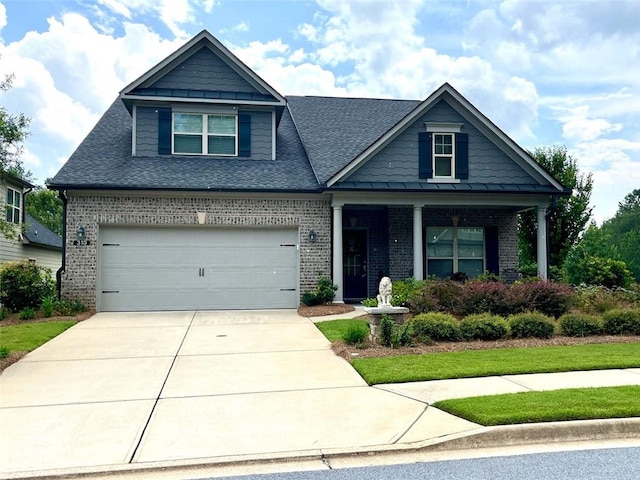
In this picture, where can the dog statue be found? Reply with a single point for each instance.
(384, 297)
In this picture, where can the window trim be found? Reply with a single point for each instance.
(455, 258)
(11, 207)
(451, 156)
(204, 134)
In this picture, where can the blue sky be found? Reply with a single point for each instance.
(562, 72)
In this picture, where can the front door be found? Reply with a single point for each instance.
(354, 255)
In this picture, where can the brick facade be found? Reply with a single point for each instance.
(90, 211)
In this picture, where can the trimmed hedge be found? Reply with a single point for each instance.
(436, 326)
(531, 324)
(622, 322)
(484, 326)
(580, 325)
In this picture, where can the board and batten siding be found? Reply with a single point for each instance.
(147, 133)
(204, 71)
(398, 161)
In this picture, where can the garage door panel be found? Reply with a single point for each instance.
(197, 268)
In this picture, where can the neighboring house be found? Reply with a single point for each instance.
(202, 187)
(33, 240)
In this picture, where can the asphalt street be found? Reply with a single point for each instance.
(609, 464)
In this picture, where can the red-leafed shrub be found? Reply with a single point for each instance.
(550, 298)
(483, 297)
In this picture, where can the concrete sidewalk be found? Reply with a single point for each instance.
(146, 390)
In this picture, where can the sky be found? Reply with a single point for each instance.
(559, 72)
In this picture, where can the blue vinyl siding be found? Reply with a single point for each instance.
(399, 161)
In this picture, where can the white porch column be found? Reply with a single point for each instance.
(418, 261)
(542, 243)
(337, 253)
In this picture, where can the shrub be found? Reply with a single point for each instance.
(387, 327)
(593, 270)
(356, 334)
(485, 297)
(483, 326)
(550, 298)
(580, 325)
(369, 302)
(622, 322)
(48, 304)
(24, 284)
(27, 313)
(435, 296)
(324, 293)
(69, 307)
(4, 352)
(436, 326)
(403, 290)
(599, 299)
(404, 336)
(531, 324)
(3, 313)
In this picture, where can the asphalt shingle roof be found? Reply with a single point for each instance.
(37, 233)
(104, 160)
(335, 130)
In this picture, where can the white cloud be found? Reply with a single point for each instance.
(3, 16)
(579, 127)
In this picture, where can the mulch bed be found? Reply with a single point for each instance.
(322, 310)
(349, 352)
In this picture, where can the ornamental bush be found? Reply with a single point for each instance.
(550, 298)
(403, 290)
(622, 322)
(580, 325)
(436, 326)
(24, 284)
(484, 326)
(531, 324)
(485, 297)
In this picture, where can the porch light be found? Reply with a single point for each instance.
(454, 220)
(81, 234)
(313, 236)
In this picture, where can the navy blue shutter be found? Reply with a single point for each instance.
(462, 156)
(164, 131)
(244, 135)
(491, 250)
(425, 166)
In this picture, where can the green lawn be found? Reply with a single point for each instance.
(335, 330)
(508, 361)
(29, 336)
(550, 406)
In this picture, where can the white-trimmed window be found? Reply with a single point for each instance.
(451, 250)
(444, 154)
(14, 205)
(205, 134)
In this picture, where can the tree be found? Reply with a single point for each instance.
(13, 131)
(570, 215)
(624, 231)
(46, 207)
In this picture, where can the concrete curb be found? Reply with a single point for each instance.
(484, 437)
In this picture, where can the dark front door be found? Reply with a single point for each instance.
(354, 255)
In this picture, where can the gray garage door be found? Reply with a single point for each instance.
(197, 268)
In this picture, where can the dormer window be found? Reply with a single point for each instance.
(205, 134)
(443, 153)
(14, 205)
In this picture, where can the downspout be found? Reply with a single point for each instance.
(59, 272)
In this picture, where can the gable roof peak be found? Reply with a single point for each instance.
(204, 39)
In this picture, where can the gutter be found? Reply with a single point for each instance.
(63, 197)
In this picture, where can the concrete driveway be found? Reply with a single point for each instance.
(151, 388)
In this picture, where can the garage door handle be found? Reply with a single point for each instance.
(110, 291)
(287, 289)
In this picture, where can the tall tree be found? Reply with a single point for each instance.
(13, 131)
(45, 206)
(570, 215)
(624, 230)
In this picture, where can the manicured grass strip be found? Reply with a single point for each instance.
(551, 406)
(28, 337)
(335, 329)
(508, 361)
